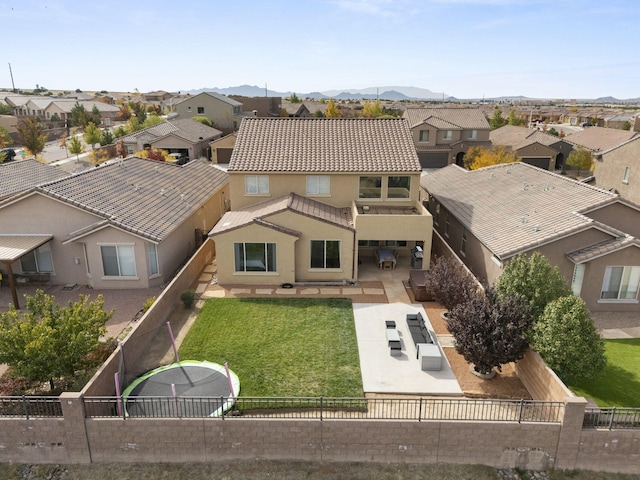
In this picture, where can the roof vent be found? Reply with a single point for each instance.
(182, 196)
(162, 192)
(536, 228)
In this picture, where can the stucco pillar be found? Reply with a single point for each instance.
(570, 433)
(75, 427)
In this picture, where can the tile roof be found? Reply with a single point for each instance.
(185, 128)
(513, 207)
(601, 248)
(598, 138)
(448, 118)
(324, 145)
(518, 137)
(21, 175)
(222, 98)
(260, 213)
(144, 197)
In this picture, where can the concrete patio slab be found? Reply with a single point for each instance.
(382, 373)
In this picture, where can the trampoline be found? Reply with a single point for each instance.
(184, 389)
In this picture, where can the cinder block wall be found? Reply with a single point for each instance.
(541, 382)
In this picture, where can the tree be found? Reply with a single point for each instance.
(124, 113)
(372, 109)
(30, 130)
(567, 340)
(293, 98)
(48, 341)
(63, 142)
(76, 147)
(92, 134)
(497, 121)
(5, 109)
(489, 330)
(78, 115)
(5, 138)
(535, 279)
(449, 282)
(203, 120)
(106, 137)
(580, 158)
(626, 125)
(332, 110)
(514, 119)
(154, 154)
(553, 131)
(480, 157)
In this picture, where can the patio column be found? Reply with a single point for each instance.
(12, 285)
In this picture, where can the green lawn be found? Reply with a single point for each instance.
(619, 385)
(293, 347)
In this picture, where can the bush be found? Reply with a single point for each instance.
(188, 298)
(147, 303)
(450, 283)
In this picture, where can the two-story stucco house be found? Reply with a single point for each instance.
(128, 224)
(224, 112)
(442, 136)
(490, 215)
(618, 169)
(313, 197)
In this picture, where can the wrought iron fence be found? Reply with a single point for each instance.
(611, 418)
(30, 407)
(320, 408)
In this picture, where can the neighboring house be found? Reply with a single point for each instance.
(20, 176)
(533, 146)
(222, 148)
(10, 124)
(490, 215)
(311, 198)
(598, 139)
(259, 106)
(617, 120)
(128, 224)
(157, 96)
(618, 169)
(224, 112)
(443, 135)
(295, 110)
(183, 136)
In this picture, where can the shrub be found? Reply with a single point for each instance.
(450, 283)
(188, 298)
(147, 303)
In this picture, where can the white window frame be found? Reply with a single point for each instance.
(423, 136)
(269, 264)
(473, 134)
(377, 180)
(256, 184)
(625, 175)
(154, 266)
(42, 259)
(121, 249)
(447, 134)
(578, 278)
(400, 193)
(630, 275)
(318, 185)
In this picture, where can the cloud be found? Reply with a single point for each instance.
(383, 8)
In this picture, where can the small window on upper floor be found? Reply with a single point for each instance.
(200, 110)
(370, 187)
(399, 187)
(473, 134)
(447, 135)
(625, 176)
(256, 184)
(423, 136)
(318, 185)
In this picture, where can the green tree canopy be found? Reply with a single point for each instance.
(76, 147)
(79, 115)
(31, 134)
(92, 134)
(204, 120)
(535, 279)
(48, 341)
(580, 158)
(567, 340)
(497, 121)
(5, 138)
(514, 119)
(293, 98)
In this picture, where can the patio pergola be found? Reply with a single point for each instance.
(12, 247)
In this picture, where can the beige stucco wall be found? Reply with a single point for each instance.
(219, 112)
(227, 142)
(620, 216)
(537, 150)
(609, 171)
(344, 189)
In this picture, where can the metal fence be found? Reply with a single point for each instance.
(414, 409)
(611, 418)
(30, 407)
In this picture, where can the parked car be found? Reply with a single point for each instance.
(178, 158)
(9, 154)
(586, 124)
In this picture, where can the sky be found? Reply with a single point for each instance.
(559, 49)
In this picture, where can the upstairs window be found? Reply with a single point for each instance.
(318, 184)
(424, 136)
(447, 135)
(370, 187)
(200, 110)
(398, 187)
(256, 184)
(473, 134)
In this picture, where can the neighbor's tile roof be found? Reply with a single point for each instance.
(514, 207)
(141, 196)
(261, 212)
(218, 96)
(185, 128)
(518, 137)
(601, 248)
(598, 138)
(448, 118)
(21, 175)
(324, 145)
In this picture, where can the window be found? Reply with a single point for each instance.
(447, 135)
(625, 176)
(473, 134)
(256, 184)
(436, 217)
(370, 187)
(38, 260)
(325, 253)
(255, 257)
(368, 243)
(153, 258)
(200, 110)
(424, 136)
(621, 283)
(578, 277)
(395, 243)
(463, 242)
(446, 225)
(118, 260)
(130, 150)
(317, 184)
(398, 187)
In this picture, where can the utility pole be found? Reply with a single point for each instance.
(12, 84)
(266, 92)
